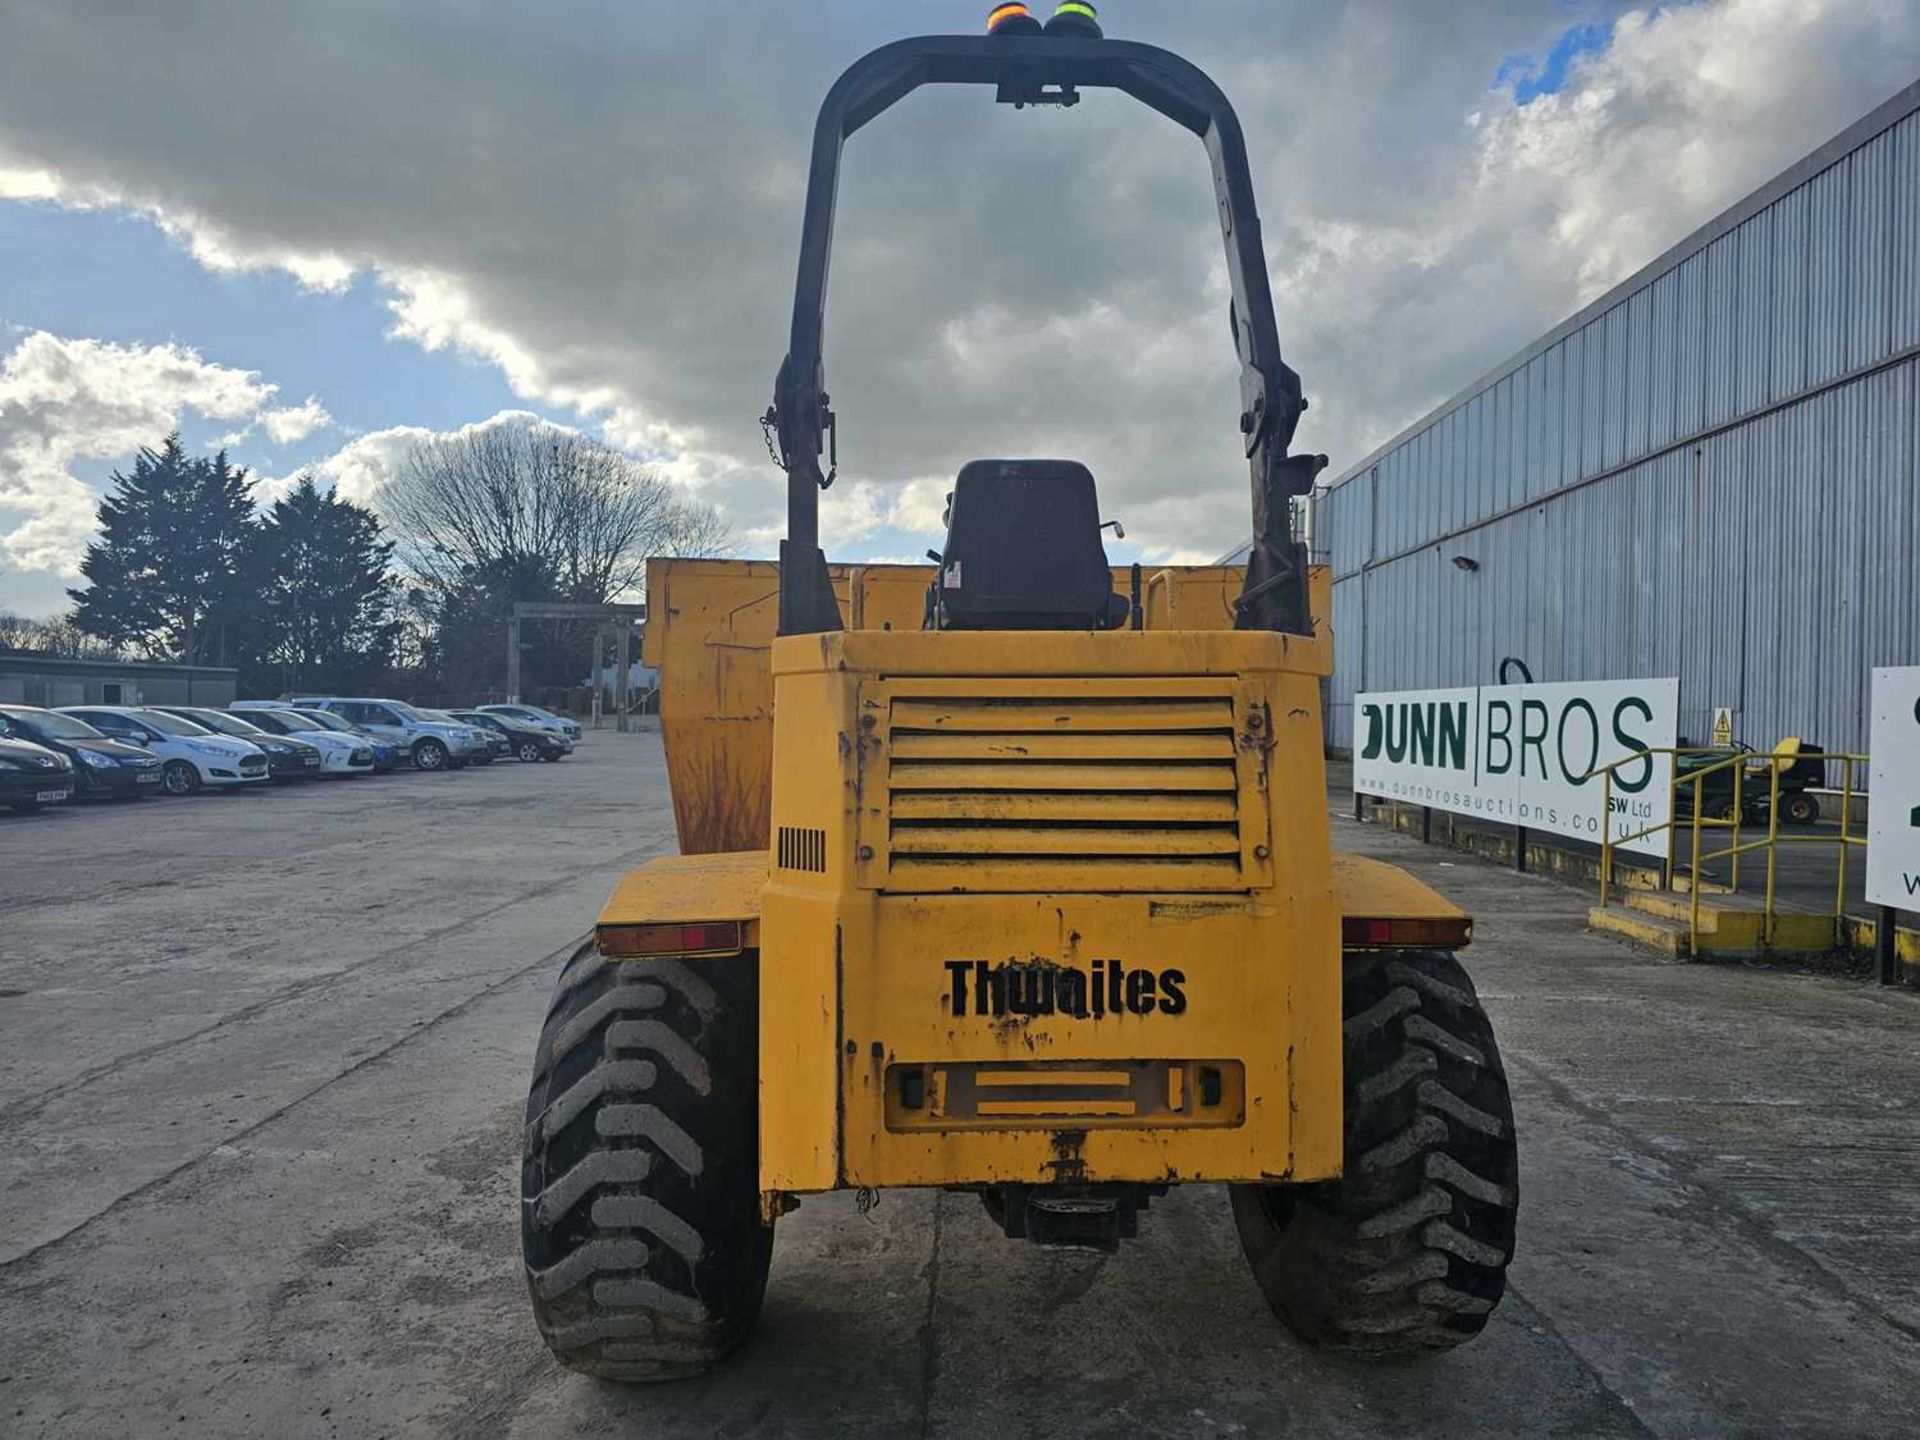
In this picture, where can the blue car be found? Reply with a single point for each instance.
(386, 756)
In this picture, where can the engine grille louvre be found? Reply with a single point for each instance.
(800, 849)
(1029, 791)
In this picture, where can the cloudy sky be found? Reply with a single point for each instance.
(312, 232)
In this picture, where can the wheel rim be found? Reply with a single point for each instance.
(431, 756)
(529, 752)
(177, 778)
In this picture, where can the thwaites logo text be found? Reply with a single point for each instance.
(1042, 988)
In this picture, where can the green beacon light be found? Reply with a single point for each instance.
(1076, 20)
(1013, 20)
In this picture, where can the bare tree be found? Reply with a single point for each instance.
(532, 495)
(58, 636)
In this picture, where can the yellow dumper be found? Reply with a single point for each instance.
(1011, 874)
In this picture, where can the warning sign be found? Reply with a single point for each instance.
(1893, 832)
(1723, 729)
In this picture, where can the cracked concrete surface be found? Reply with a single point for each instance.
(261, 1105)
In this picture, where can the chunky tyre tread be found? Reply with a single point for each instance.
(1407, 1252)
(645, 1253)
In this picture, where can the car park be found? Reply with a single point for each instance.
(32, 775)
(287, 758)
(342, 751)
(540, 719)
(523, 741)
(191, 756)
(427, 743)
(102, 767)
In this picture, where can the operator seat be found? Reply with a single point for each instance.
(1024, 551)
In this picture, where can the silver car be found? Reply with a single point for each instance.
(429, 742)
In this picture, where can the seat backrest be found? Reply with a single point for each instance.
(1024, 551)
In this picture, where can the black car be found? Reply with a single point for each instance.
(515, 737)
(287, 758)
(101, 767)
(32, 775)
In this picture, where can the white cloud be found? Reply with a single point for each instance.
(64, 402)
(287, 425)
(358, 469)
(1687, 109)
(1004, 283)
(29, 185)
(294, 423)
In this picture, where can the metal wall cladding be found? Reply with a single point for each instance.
(1716, 476)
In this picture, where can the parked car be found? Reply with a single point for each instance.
(429, 744)
(102, 767)
(523, 741)
(540, 719)
(191, 755)
(342, 751)
(493, 745)
(32, 775)
(386, 755)
(287, 759)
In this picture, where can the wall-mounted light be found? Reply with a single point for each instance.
(1466, 563)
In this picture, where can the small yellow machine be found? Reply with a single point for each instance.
(1011, 874)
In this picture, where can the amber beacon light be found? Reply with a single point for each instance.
(1013, 20)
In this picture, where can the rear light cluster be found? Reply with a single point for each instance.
(1360, 932)
(632, 942)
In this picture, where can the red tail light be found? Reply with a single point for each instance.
(1427, 933)
(634, 942)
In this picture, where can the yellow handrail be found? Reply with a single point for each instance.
(1739, 762)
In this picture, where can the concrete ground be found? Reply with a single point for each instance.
(262, 1061)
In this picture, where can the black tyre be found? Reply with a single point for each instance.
(178, 777)
(1799, 808)
(1407, 1253)
(640, 1218)
(528, 752)
(429, 754)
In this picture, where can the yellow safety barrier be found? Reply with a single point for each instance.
(1742, 764)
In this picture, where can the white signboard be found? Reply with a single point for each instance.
(1523, 755)
(1893, 829)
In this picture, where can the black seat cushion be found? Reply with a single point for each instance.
(1024, 551)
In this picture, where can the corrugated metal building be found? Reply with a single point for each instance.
(1710, 472)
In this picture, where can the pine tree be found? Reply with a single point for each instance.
(326, 594)
(167, 574)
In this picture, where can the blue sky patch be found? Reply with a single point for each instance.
(1530, 76)
(114, 277)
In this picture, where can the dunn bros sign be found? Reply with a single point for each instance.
(1527, 754)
